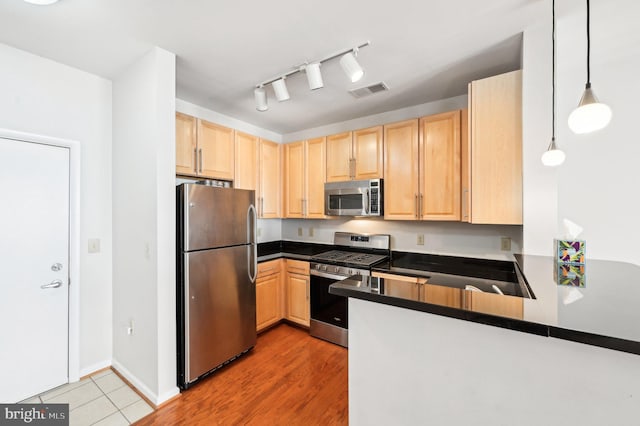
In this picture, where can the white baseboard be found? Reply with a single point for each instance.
(85, 371)
(155, 399)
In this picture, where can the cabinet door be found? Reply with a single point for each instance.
(339, 157)
(494, 304)
(267, 301)
(186, 149)
(440, 166)
(270, 175)
(401, 170)
(246, 159)
(315, 173)
(368, 153)
(294, 179)
(216, 151)
(441, 295)
(298, 298)
(496, 149)
(465, 167)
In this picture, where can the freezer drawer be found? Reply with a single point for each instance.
(220, 308)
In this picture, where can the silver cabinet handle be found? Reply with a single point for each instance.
(200, 160)
(420, 208)
(195, 160)
(465, 211)
(416, 206)
(52, 284)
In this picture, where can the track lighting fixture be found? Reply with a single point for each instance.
(314, 77)
(280, 89)
(261, 98)
(553, 156)
(590, 115)
(351, 66)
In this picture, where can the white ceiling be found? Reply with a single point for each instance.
(423, 50)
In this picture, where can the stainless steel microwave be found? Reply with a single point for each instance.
(354, 198)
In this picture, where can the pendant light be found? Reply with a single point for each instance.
(590, 115)
(553, 156)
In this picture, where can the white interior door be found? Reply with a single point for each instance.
(34, 268)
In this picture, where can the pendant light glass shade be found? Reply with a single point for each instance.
(280, 89)
(590, 115)
(553, 156)
(314, 76)
(351, 67)
(261, 99)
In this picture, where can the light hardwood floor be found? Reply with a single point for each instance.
(289, 378)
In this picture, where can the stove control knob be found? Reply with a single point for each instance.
(336, 269)
(350, 271)
(318, 267)
(324, 267)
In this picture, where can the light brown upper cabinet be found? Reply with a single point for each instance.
(440, 167)
(204, 149)
(186, 146)
(270, 187)
(355, 155)
(495, 151)
(401, 170)
(304, 177)
(422, 168)
(246, 157)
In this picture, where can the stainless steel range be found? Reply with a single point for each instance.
(355, 255)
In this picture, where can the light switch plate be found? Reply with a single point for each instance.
(300, 232)
(505, 243)
(420, 239)
(311, 232)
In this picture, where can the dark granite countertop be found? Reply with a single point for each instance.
(290, 249)
(602, 312)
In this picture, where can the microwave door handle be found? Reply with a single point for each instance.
(366, 206)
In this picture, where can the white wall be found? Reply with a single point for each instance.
(144, 224)
(47, 98)
(224, 120)
(596, 185)
(413, 368)
(429, 108)
(445, 238)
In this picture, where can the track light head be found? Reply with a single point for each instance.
(280, 89)
(260, 96)
(351, 66)
(314, 76)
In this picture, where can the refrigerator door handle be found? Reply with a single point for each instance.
(252, 248)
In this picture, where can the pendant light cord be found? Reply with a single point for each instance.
(588, 49)
(553, 70)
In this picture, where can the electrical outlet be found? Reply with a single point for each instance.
(300, 232)
(259, 232)
(420, 240)
(311, 232)
(505, 243)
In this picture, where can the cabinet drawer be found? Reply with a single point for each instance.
(298, 267)
(269, 268)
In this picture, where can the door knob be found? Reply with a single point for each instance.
(56, 267)
(52, 284)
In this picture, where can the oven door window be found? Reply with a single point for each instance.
(346, 202)
(326, 307)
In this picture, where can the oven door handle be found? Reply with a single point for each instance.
(315, 273)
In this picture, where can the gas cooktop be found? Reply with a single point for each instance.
(349, 258)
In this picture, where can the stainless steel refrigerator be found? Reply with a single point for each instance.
(216, 271)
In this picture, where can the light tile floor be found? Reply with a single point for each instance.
(102, 399)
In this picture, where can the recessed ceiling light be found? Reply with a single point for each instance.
(41, 2)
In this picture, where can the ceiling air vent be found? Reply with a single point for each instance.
(369, 90)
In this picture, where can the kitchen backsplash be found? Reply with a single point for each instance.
(447, 238)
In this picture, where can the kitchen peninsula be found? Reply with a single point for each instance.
(413, 361)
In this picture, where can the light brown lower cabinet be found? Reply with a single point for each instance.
(297, 292)
(417, 288)
(269, 294)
